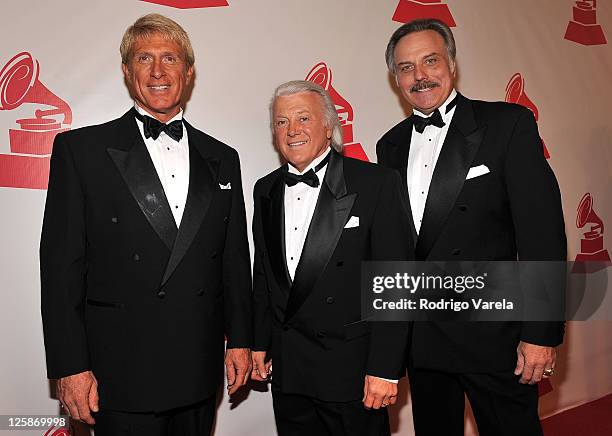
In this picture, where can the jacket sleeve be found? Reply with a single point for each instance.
(261, 303)
(63, 267)
(535, 203)
(237, 267)
(391, 240)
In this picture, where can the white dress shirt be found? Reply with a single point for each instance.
(300, 202)
(424, 152)
(171, 161)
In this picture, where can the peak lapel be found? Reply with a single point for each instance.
(273, 213)
(460, 146)
(134, 163)
(203, 174)
(396, 157)
(331, 214)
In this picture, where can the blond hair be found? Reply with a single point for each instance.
(150, 24)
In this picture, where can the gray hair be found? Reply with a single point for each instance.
(418, 26)
(152, 24)
(327, 105)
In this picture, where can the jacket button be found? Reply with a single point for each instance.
(114, 220)
(456, 252)
(161, 294)
(340, 263)
(136, 257)
(329, 300)
(463, 208)
(285, 328)
(200, 292)
(225, 219)
(320, 335)
(213, 255)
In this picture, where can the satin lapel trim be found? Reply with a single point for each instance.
(273, 215)
(398, 160)
(330, 216)
(203, 174)
(137, 170)
(449, 175)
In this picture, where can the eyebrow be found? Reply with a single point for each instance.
(435, 53)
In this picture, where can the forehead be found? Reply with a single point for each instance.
(156, 42)
(418, 44)
(295, 103)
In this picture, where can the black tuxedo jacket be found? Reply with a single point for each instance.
(513, 211)
(127, 294)
(312, 327)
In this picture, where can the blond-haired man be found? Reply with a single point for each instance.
(144, 215)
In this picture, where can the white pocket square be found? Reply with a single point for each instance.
(227, 186)
(480, 170)
(352, 222)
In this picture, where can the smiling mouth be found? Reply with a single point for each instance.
(159, 87)
(424, 87)
(296, 144)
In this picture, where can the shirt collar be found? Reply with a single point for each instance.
(312, 164)
(141, 111)
(442, 108)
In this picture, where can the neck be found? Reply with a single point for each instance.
(162, 117)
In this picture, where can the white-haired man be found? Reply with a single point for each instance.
(315, 220)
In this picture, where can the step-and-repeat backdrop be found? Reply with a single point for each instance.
(60, 69)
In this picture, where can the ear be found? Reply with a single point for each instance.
(328, 133)
(126, 72)
(189, 74)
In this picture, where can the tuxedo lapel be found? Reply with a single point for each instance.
(331, 214)
(460, 146)
(397, 158)
(130, 155)
(203, 175)
(273, 216)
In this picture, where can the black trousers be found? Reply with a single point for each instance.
(193, 420)
(501, 405)
(298, 415)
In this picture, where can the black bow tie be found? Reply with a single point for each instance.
(309, 177)
(153, 127)
(420, 122)
(435, 119)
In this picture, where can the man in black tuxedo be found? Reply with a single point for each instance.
(315, 220)
(480, 189)
(144, 256)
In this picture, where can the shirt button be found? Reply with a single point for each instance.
(291, 257)
(295, 228)
(173, 174)
(168, 148)
(176, 207)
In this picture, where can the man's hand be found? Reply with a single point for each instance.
(532, 361)
(78, 393)
(237, 367)
(261, 368)
(378, 393)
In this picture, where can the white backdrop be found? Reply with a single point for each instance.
(245, 49)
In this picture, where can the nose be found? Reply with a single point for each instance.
(157, 68)
(294, 129)
(419, 73)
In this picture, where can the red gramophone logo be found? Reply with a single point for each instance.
(189, 4)
(515, 93)
(408, 10)
(57, 431)
(27, 165)
(584, 29)
(321, 74)
(593, 256)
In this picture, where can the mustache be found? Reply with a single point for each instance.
(424, 85)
